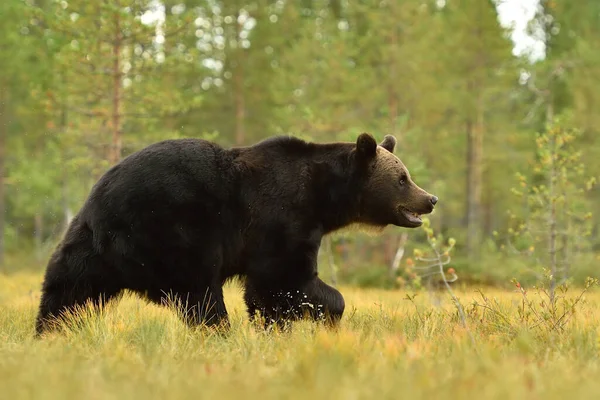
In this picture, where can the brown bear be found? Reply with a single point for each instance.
(180, 217)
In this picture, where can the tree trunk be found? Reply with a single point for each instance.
(238, 88)
(552, 223)
(3, 135)
(393, 74)
(393, 106)
(67, 212)
(399, 254)
(487, 209)
(474, 183)
(116, 144)
(392, 97)
(471, 212)
(566, 244)
(38, 235)
(332, 266)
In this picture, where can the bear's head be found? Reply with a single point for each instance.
(389, 195)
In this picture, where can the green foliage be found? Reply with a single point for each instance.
(440, 76)
(555, 222)
(369, 276)
(428, 263)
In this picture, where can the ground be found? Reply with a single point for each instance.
(387, 347)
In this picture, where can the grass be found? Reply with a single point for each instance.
(387, 347)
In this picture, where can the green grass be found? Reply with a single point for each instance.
(386, 347)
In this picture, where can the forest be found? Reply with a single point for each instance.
(503, 131)
(495, 109)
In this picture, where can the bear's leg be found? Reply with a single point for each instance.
(323, 302)
(274, 306)
(69, 285)
(196, 307)
(314, 300)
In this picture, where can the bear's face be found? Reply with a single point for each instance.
(389, 195)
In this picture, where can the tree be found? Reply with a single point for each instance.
(21, 69)
(557, 221)
(69, 100)
(477, 51)
(243, 42)
(111, 61)
(565, 79)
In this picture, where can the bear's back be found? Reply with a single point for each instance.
(175, 192)
(172, 170)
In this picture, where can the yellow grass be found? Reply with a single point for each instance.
(387, 347)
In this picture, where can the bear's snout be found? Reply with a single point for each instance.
(430, 202)
(424, 202)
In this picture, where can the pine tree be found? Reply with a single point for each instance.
(115, 69)
(476, 51)
(22, 67)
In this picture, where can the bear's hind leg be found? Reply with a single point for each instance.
(64, 290)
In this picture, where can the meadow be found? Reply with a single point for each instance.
(388, 346)
(501, 125)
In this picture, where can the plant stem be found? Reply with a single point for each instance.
(552, 220)
(454, 298)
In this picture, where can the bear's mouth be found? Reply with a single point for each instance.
(412, 217)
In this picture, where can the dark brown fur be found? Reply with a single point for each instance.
(180, 217)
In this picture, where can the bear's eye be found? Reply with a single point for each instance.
(402, 181)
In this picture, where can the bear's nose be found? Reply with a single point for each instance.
(433, 200)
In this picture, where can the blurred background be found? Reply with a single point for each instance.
(494, 105)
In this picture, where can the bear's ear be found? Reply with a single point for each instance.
(366, 146)
(389, 143)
